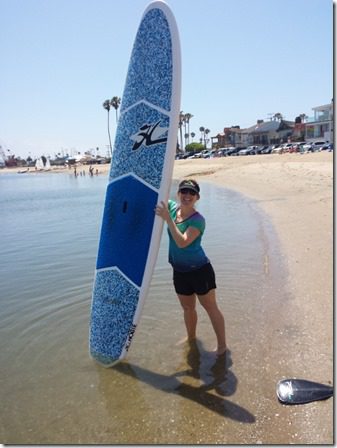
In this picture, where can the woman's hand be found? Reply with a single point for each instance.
(162, 211)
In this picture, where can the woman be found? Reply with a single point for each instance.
(193, 274)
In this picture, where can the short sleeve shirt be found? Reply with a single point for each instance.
(193, 256)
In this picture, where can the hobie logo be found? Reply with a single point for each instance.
(149, 134)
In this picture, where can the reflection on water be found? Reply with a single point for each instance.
(52, 392)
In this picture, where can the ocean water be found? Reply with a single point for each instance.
(52, 392)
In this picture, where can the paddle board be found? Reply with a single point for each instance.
(140, 177)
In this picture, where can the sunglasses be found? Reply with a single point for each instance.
(188, 191)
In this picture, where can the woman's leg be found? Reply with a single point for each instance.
(188, 304)
(208, 301)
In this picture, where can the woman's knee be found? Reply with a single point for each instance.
(188, 303)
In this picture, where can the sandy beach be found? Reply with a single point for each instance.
(296, 192)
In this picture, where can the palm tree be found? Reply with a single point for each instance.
(192, 135)
(207, 131)
(106, 106)
(115, 102)
(303, 117)
(188, 116)
(202, 132)
(181, 121)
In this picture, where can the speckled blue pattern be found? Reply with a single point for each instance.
(150, 69)
(115, 302)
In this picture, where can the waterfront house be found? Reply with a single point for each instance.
(261, 133)
(320, 126)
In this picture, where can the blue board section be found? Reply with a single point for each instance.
(128, 217)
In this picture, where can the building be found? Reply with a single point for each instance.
(262, 133)
(320, 127)
(271, 132)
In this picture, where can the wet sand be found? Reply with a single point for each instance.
(295, 340)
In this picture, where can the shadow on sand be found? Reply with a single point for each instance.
(212, 371)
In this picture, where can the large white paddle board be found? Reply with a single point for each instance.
(140, 177)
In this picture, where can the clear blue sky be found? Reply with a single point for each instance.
(241, 61)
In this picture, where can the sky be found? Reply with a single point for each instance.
(242, 60)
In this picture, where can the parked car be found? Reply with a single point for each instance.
(267, 150)
(208, 154)
(234, 151)
(314, 146)
(327, 147)
(277, 150)
(244, 152)
(317, 146)
(260, 149)
(224, 152)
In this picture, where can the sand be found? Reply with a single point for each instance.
(296, 192)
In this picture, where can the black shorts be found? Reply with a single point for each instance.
(200, 281)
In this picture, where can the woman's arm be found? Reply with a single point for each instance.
(182, 239)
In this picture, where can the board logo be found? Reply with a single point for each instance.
(130, 336)
(149, 134)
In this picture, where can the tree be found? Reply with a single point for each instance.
(187, 117)
(115, 102)
(207, 131)
(181, 121)
(106, 106)
(202, 134)
(194, 147)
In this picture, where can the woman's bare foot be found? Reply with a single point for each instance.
(221, 350)
(186, 339)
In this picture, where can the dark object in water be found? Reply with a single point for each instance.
(292, 391)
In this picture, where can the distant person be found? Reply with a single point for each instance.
(193, 274)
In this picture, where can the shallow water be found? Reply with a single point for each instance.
(166, 392)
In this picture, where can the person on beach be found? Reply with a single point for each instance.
(193, 274)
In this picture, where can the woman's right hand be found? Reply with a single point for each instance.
(162, 211)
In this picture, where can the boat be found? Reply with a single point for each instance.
(39, 166)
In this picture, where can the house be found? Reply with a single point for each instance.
(230, 136)
(320, 127)
(261, 133)
(271, 132)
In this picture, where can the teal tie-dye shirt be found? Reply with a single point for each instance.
(193, 256)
